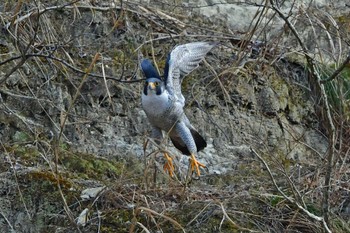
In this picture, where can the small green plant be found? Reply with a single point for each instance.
(338, 91)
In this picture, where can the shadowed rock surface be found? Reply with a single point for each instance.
(63, 133)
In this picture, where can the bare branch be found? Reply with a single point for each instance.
(331, 128)
(39, 12)
(161, 215)
(23, 52)
(291, 200)
(71, 67)
(335, 74)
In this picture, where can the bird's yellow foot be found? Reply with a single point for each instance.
(195, 165)
(168, 166)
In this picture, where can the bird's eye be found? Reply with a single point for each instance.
(157, 84)
(146, 83)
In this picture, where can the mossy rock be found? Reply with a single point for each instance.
(89, 166)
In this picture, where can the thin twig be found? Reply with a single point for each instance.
(39, 12)
(8, 222)
(23, 52)
(232, 222)
(199, 214)
(331, 127)
(143, 227)
(335, 74)
(17, 183)
(163, 216)
(291, 200)
(71, 67)
(77, 93)
(66, 207)
(106, 85)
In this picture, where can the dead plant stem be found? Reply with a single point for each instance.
(63, 122)
(291, 200)
(331, 128)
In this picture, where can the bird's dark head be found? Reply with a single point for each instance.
(154, 83)
(153, 86)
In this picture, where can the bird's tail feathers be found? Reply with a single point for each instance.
(180, 145)
(200, 141)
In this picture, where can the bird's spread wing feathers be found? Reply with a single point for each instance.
(181, 61)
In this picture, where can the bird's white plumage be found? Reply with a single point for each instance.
(155, 104)
(164, 103)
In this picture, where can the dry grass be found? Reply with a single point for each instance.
(64, 75)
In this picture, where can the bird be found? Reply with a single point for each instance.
(163, 102)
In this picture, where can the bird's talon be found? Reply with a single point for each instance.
(169, 166)
(195, 165)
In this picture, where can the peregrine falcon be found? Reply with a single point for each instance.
(163, 101)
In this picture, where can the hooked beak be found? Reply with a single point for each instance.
(151, 85)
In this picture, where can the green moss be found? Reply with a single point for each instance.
(49, 179)
(276, 200)
(125, 58)
(4, 49)
(20, 137)
(312, 208)
(40, 188)
(89, 166)
(78, 165)
(64, 146)
(118, 220)
(27, 154)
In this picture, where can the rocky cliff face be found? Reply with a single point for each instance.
(63, 131)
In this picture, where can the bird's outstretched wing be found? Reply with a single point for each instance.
(181, 61)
